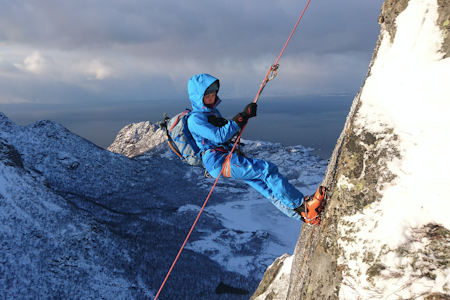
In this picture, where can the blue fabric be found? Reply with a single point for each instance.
(206, 135)
(260, 174)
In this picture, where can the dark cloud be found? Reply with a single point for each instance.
(197, 27)
(100, 50)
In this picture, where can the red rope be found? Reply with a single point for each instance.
(295, 27)
(231, 152)
(275, 65)
(187, 238)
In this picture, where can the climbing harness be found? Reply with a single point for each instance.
(271, 74)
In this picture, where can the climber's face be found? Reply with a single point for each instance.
(209, 99)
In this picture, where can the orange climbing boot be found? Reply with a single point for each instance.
(312, 206)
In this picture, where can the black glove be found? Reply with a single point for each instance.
(218, 122)
(249, 112)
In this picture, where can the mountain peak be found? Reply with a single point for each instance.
(137, 138)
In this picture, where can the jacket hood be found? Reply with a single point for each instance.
(197, 86)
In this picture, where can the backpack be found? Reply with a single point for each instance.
(180, 140)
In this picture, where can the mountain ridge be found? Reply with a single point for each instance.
(78, 221)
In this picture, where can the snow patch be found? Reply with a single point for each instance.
(408, 90)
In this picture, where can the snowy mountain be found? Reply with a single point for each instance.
(386, 231)
(81, 222)
(137, 138)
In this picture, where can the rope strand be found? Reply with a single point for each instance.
(187, 238)
(263, 84)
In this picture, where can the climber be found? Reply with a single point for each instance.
(212, 133)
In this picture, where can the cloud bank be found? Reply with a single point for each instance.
(82, 51)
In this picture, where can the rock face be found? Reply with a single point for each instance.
(392, 8)
(279, 272)
(358, 173)
(10, 155)
(137, 138)
(444, 23)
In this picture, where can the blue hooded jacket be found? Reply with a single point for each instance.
(206, 135)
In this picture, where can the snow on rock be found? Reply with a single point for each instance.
(385, 232)
(388, 246)
(48, 248)
(277, 275)
(137, 138)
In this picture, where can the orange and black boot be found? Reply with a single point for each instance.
(312, 206)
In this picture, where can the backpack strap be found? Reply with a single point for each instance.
(186, 112)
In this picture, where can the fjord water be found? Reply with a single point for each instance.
(309, 120)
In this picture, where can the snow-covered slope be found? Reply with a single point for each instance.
(49, 248)
(81, 222)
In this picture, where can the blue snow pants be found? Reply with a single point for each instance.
(262, 175)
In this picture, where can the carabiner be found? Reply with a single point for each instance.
(273, 72)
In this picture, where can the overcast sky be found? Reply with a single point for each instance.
(121, 50)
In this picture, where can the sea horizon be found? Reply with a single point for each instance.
(309, 120)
